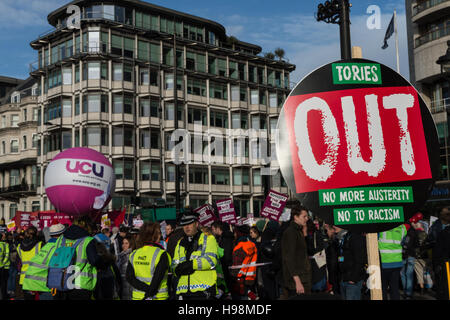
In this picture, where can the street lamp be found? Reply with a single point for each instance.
(444, 61)
(338, 12)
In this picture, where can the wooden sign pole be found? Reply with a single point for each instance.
(374, 270)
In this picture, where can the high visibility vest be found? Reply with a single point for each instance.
(144, 262)
(37, 272)
(204, 261)
(87, 277)
(4, 255)
(219, 269)
(249, 271)
(390, 246)
(25, 257)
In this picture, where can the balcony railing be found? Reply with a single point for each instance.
(426, 5)
(432, 35)
(20, 188)
(440, 105)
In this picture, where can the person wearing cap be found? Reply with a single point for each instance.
(35, 279)
(243, 270)
(194, 261)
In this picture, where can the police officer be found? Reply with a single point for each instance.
(4, 266)
(194, 262)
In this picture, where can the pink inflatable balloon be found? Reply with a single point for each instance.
(79, 181)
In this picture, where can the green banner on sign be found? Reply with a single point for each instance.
(356, 73)
(366, 195)
(347, 216)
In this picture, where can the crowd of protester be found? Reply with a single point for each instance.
(295, 259)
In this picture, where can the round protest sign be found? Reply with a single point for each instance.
(358, 146)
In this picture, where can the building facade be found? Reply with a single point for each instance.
(428, 26)
(114, 82)
(19, 175)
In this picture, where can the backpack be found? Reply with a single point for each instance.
(61, 267)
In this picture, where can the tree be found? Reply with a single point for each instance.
(279, 53)
(269, 55)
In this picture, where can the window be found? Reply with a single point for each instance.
(257, 177)
(95, 136)
(35, 114)
(197, 115)
(169, 112)
(149, 107)
(128, 47)
(239, 120)
(220, 176)
(67, 76)
(117, 72)
(170, 176)
(196, 87)
(116, 45)
(198, 175)
(14, 120)
(95, 103)
(122, 104)
(218, 90)
(123, 137)
(67, 108)
(258, 122)
(12, 210)
(241, 176)
(124, 169)
(218, 119)
(3, 147)
(35, 141)
(24, 142)
(14, 146)
(67, 140)
(169, 85)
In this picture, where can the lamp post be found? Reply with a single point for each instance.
(444, 62)
(338, 12)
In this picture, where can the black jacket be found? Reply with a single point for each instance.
(313, 248)
(75, 232)
(410, 243)
(353, 250)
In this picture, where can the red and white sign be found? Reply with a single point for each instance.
(356, 137)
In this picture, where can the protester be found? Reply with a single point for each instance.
(170, 228)
(27, 249)
(149, 265)
(225, 240)
(128, 245)
(296, 267)
(37, 273)
(4, 265)
(332, 254)
(194, 261)
(316, 252)
(352, 257)
(421, 254)
(243, 272)
(390, 247)
(89, 260)
(266, 273)
(410, 244)
(441, 257)
(255, 236)
(12, 240)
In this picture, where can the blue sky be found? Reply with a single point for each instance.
(289, 24)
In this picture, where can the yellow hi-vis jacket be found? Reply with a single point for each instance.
(204, 261)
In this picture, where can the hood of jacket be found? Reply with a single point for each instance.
(75, 232)
(28, 244)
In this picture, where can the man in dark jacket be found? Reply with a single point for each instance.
(296, 266)
(351, 263)
(441, 257)
(81, 228)
(225, 240)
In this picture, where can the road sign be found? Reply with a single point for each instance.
(358, 146)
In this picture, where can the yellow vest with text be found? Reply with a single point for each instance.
(37, 272)
(144, 262)
(204, 264)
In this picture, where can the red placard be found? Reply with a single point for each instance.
(336, 158)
